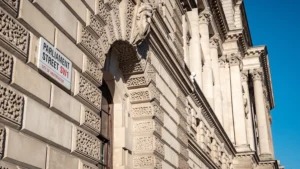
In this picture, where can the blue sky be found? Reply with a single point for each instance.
(276, 23)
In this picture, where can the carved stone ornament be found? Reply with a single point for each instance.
(235, 60)
(214, 42)
(244, 76)
(13, 34)
(87, 145)
(145, 111)
(257, 74)
(91, 120)
(11, 105)
(142, 26)
(204, 17)
(147, 144)
(2, 140)
(147, 161)
(223, 61)
(149, 125)
(6, 62)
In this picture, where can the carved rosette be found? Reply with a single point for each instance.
(244, 76)
(11, 105)
(148, 144)
(2, 140)
(204, 17)
(13, 34)
(257, 74)
(6, 63)
(90, 121)
(86, 145)
(88, 92)
(147, 161)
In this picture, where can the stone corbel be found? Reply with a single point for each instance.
(142, 24)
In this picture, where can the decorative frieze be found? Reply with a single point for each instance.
(144, 95)
(86, 144)
(148, 144)
(90, 121)
(147, 161)
(93, 71)
(6, 63)
(13, 34)
(11, 105)
(88, 92)
(2, 140)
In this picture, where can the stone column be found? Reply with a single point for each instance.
(257, 77)
(238, 103)
(204, 20)
(195, 57)
(226, 97)
(248, 112)
(214, 43)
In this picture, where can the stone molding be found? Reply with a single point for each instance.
(16, 41)
(257, 74)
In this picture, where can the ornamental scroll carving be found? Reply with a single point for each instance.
(88, 145)
(89, 92)
(11, 105)
(13, 34)
(257, 74)
(142, 25)
(6, 63)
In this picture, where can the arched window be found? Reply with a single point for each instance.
(106, 134)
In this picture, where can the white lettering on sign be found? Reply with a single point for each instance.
(54, 64)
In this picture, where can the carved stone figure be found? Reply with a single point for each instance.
(143, 21)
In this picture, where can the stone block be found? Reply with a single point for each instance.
(16, 41)
(90, 121)
(145, 94)
(91, 5)
(92, 71)
(32, 60)
(41, 122)
(86, 145)
(148, 144)
(69, 49)
(30, 82)
(147, 161)
(171, 156)
(10, 6)
(5, 165)
(11, 107)
(87, 92)
(23, 150)
(147, 110)
(64, 104)
(78, 9)
(169, 109)
(6, 65)
(170, 124)
(86, 165)
(57, 159)
(60, 15)
(171, 140)
(26, 11)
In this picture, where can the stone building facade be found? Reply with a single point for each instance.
(131, 84)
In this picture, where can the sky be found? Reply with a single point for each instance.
(276, 23)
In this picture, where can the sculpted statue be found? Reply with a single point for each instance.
(143, 21)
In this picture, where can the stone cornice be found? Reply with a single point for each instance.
(219, 17)
(262, 53)
(210, 116)
(239, 36)
(251, 154)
